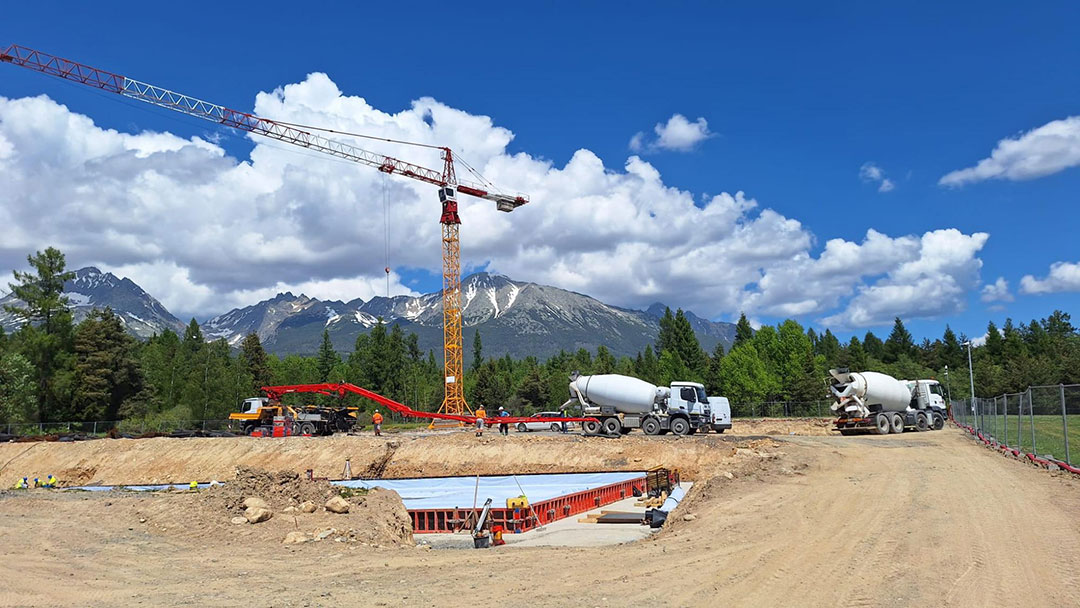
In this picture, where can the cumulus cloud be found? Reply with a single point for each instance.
(1042, 151)
(677, 134)
(872, 173)
(207, 232)
(998, 291)
(931, 277)
(1063, 276)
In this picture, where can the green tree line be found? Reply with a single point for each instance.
(52, 369)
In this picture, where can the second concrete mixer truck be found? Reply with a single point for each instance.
(879, 403)
(622, 403)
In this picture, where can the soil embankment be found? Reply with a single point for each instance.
(168, 460)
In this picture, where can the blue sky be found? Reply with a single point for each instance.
(797, 100)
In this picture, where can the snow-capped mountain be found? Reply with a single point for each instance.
(515, 318)
(139, 311)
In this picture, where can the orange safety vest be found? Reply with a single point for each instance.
(480, 413)
(377, 418)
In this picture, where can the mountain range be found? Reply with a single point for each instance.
(513, 317)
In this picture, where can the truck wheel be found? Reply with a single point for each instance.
(524, 429)
(650, 426)
(591, 427)
(921, 423)
(881, 422)
(612, 426)
(896, 423)
(307, 429)
(680, 426)
(939, 422)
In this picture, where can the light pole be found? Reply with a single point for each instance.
(948, 387)
(971, 376)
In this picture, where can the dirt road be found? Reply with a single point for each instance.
(912, 520)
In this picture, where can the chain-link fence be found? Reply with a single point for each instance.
(781, 409)
(129, 427)
(1043, 420)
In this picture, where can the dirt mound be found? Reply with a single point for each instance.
(375, 518)
(280, 489)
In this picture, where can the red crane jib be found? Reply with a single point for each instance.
(340, 389)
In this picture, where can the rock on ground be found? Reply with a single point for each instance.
(256, 515)
(337, 504)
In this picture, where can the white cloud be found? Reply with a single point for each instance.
(677, 134)
(1042, 151)
(931, 277)
(871, 173)
(206, 232)
(998, 291)
(1063, 276)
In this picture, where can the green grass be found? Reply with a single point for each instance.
(1049, 434)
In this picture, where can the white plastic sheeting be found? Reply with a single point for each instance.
(458, 492)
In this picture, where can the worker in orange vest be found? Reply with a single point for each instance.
(480, 415)
(376, 419)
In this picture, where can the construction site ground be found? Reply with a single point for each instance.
(919, 519)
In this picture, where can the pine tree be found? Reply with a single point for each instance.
(327, 358)
(604, 362)
(899, 344)
(107, 371)
(667, 338)
(829, 348)
(856, 356)
(952, 354)
(45, 338)
(873, 346)
(533, 391)
(254, 362)
(714, 377)
(477, 351)
(743, 331)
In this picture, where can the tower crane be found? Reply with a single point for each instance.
(445, 180)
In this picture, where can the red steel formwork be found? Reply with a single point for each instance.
(430, 521)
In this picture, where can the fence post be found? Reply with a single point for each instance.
(1005, 416)
(1019, 422)
(1065, 425)
(1031, 419)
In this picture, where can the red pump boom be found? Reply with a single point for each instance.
(340, 389)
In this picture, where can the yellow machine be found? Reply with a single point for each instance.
(260, 413)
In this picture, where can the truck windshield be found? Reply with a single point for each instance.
(701, 396)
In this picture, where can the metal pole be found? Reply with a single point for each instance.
(1005, 416)
(971, 373)
(1065, 425)
(1019, 421)
(1031, 419)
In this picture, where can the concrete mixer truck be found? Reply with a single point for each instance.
(622, 403)
(878, 403)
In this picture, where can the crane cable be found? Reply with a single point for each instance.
(386, 232)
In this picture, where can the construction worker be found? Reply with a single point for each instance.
(37, 483)
(50, 481)
(480, 415)
(564, 422)
(504, 428)
(21, 484)
(376, 421)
